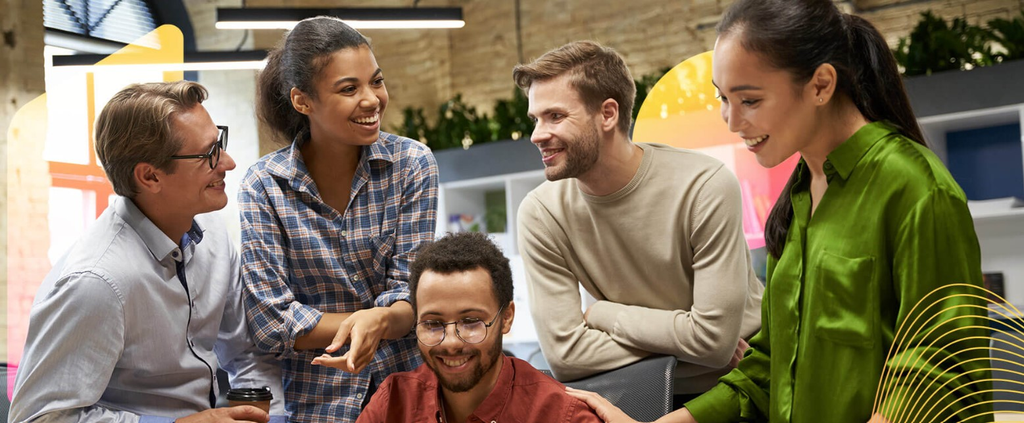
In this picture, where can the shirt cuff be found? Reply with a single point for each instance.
(278, 419)
(603, 315)
(306, 318)
(720, 404)
(386, 299)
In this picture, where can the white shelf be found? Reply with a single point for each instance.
(1005, 223)
(1000, 232)
(974, 119)
(1014, 215)
(467, 197)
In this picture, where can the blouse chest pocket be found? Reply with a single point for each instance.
(844, 300)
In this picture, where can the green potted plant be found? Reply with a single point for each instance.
(460, 125)
(1009, 33)
(935, 46)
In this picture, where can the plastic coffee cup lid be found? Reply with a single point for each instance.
(250, 394)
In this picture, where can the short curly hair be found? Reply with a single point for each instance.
(462, 252)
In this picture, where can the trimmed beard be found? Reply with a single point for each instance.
(580, 155)
(476, 375)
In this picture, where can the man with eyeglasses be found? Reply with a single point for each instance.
(133, 322)
(461, 288)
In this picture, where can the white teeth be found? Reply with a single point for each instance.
(755, 141)
(368, 120)
(216, 184)
(549, 153)
(455, 363)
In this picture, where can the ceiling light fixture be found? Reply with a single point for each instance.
(359, 18)
(198, 61)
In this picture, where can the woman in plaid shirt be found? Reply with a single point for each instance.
(330, 224)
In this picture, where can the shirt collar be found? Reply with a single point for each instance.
(158, 243)
(846, 156)
(287, 163)
(492, 406)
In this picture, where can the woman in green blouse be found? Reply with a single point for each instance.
(869, 224)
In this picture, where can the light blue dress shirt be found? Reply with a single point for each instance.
(114, 336)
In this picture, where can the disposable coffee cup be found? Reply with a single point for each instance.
(256, 397)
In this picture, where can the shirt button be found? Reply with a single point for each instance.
(344, 233)
(359, 395)
(828, 165)
(355, 278)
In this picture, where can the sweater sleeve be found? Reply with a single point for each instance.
(706, 334)
(572, 349)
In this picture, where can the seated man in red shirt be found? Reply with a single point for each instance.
(461, 288)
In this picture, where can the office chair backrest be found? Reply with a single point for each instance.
(643, 390)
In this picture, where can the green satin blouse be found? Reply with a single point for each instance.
(892, 226)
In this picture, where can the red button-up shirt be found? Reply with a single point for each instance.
(522, 394)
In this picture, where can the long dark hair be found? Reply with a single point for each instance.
(800, 35)
(296, 62)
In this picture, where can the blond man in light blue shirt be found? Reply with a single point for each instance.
(133, 322)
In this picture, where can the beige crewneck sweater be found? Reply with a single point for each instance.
(664, 256)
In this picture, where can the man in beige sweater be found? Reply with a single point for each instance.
(652, 232)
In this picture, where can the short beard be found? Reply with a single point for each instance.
(470, 382)
(581, 155)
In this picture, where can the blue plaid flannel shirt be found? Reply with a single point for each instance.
(302, 258)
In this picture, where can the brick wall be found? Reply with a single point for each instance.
(417, 63)
(23, 194)
(650, 34)
(426, 67)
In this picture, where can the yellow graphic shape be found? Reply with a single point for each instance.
(910, 405)
(682, 110)
(164, 45)
(26, 133)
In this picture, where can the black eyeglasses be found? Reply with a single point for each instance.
(469, 329)
(214, 155)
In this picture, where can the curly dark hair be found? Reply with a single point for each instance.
(461, 252)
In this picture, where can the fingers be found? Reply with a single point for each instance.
(592, 399)
(737, 355)
(601, 406)
(355, 350)
(328, 360)
(341, 337)
(247, 413)
(741, 347)
(878, 418)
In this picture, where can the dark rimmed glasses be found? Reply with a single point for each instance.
(213, 157)
(469, 329)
